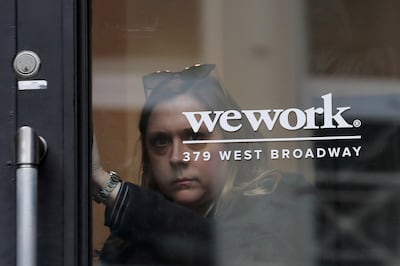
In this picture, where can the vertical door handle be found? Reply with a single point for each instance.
(30, 149)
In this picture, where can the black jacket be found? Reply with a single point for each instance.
(271, 229)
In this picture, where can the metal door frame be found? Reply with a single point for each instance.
(59, 32)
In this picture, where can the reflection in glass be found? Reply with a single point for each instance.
(270, 55)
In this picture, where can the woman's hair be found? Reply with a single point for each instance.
(243, 175)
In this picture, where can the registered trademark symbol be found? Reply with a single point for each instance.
(357, 123)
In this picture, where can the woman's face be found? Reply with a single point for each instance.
(193, 183)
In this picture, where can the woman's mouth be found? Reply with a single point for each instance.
(184, 182)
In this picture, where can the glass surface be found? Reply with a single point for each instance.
(305, 170)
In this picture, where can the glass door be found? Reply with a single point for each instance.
(311, 147)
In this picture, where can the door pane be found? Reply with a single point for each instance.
(303, 170)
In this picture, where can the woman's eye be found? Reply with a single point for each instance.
(195, 136)
(159, 141)
(198, 136)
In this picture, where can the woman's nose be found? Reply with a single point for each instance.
(177, 152)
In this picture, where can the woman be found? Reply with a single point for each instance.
(195, 207)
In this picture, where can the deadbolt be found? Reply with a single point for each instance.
(26, 64)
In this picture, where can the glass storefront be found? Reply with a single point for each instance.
(300, 168)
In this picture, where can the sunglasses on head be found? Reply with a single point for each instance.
(154, 80)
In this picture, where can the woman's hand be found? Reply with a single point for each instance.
(100, 176)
